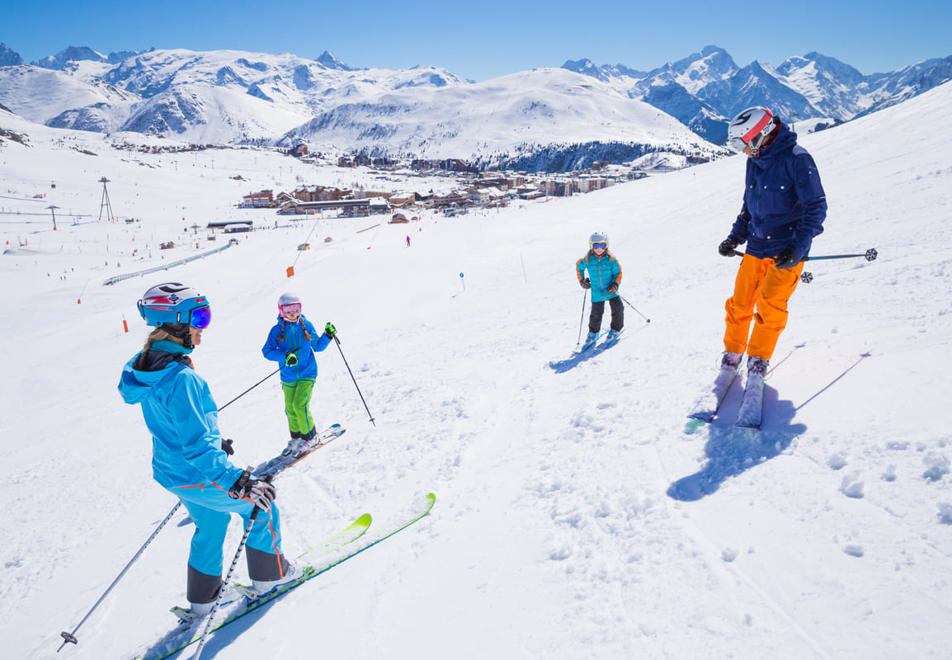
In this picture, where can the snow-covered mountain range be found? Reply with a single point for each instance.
(704, 89)
(544, 119)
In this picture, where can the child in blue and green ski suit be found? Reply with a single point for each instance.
(292, 343)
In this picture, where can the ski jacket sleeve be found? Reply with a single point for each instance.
(318, 343)
(810, 194)
(741, 226)
(580, 267)
(272, 350)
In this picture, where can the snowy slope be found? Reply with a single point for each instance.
(41, 94)
(574, 517)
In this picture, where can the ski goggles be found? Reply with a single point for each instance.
(737, 144)
(293, 308)
(200, 317)
(599, 246)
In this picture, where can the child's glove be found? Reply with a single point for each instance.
(612, 290)
(290, 359)
(585, 284)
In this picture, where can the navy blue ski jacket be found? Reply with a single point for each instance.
(784, 203)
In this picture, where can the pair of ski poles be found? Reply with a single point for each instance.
(807, 277)
(70, 637)
(582, 319)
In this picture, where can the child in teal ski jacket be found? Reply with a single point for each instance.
(604, 278)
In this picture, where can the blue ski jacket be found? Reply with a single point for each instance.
(182, 416)
(602, 273)
(294, 342)
(784, 203)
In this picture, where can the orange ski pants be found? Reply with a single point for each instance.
(761, 292)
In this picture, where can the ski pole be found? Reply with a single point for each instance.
(249, 389)
(582, 319)
(337, 341)
(231, 569)
(806, 277)
(869, 255)
(70, 637)
(624, 300)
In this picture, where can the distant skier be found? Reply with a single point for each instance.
(291, 343)
(604, 277)
(189, 457)
(408, 240)
(784, 209)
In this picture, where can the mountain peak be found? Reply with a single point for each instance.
(328, 59)
(9, 57)
(70, 54)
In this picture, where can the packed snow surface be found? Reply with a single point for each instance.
(575, 517)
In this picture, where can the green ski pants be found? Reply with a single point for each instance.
(297, 400)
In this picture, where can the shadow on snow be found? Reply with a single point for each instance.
(217, 641)
(577, 358)
(731, 451)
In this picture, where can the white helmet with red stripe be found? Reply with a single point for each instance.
(750, 128)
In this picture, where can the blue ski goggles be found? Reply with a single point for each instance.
(200, 317)
(156, 315)
(599, 246)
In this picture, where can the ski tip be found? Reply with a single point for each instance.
(692, 425)
(363, 521)
(430, 500)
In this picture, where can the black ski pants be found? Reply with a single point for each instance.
(598, 309)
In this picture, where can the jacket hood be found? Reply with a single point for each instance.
(136, 386)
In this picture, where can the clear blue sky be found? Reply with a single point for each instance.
(489, 38)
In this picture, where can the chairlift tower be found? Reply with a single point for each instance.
(52, 208)
(104, 202)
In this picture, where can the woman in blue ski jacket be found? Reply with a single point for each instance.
(189, 457)
(292, 343)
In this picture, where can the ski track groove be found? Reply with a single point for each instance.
(717, 565)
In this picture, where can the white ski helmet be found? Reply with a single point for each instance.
(750, 128)
(598, 237)
(175, 303)
(288, 299)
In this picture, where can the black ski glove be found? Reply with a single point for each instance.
(786, 259)
(259, 492)
(726, 248)
(290, 359)
(612, 290)
(585, 284)
(226, 445)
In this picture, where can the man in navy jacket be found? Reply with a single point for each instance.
(784, 209)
